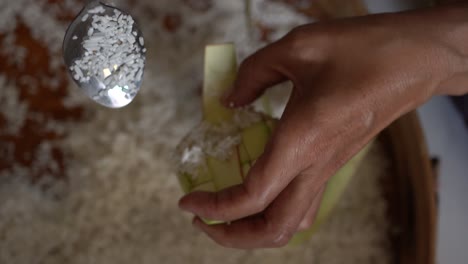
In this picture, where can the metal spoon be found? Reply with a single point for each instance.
(122, 89)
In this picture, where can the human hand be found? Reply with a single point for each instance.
(351, 78)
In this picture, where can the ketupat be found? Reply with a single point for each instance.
(220, 151)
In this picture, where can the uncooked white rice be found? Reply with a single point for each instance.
(113, 55)
(212, 140)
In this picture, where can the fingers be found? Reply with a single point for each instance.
(274, 228)
(227, 205)
(282, 161)
(256, 74)
(294, 57)
(267, 178)
(309, 217)
(285, 157)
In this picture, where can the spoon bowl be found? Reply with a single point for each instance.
(104, 51)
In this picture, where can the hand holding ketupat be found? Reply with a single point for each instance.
(219, 152)
(351, 78)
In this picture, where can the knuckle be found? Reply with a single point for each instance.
(281, 237)
(259, 197)
(305, 224)
(295, 38)
(260, 201)
(308, 41)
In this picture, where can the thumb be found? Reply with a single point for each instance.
(256, 74)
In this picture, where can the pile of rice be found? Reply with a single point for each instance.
(119, 202)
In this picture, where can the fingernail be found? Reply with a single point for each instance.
(231, 104)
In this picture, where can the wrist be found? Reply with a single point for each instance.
(450, 29)
(441, 34)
